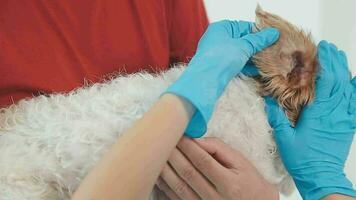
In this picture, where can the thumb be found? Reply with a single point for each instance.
(255, 42)
(278, 120)
(222, 152)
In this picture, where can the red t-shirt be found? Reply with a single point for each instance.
(54, 46)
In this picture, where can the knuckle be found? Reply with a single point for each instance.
(248, 48)
(220, 25)
(217, 140)
(180, 188)
(203, 162)
(188, 173)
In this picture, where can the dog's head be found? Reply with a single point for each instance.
(288, 68)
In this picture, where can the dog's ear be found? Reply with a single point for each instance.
(265, 19)
(298, 60)
(260, 17)
(304, 67)
(289, 66)
(259, 11)
(297, 77)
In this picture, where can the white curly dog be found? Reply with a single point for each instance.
(48, 144)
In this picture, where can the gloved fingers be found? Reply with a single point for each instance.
(250, 70)
(240, 28)
(325, 77)
(255, 42)
(278, 119)
(345, 64)
(340, 72)
(230, 28)
(339, 64)
(324, 55)
(352, 106)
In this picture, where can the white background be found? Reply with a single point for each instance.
(332, 20)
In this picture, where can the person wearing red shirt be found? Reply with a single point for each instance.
(55, 46)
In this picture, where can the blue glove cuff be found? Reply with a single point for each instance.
(319, 188)
(202, 92)
(198, 124)
(328, 191)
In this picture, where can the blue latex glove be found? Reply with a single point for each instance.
(222, 52)
(315, 151)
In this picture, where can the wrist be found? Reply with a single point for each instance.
(201, 84)
(338, 197)
(180, 104)
(320, 185)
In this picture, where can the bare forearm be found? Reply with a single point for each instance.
(338, 197)
(129, 170)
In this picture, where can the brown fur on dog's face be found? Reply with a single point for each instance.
(288, 68)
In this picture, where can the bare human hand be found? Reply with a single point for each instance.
(209, 169)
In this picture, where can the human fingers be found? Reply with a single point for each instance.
(166, 189)
(339, 64)
(352, 106)
(191, 176)
(203, 161)
(325, 77)
(222, 152)
(230, 28)
(255, 42)
(177, 185)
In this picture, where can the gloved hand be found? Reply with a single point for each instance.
(222, 52)
(315, 151)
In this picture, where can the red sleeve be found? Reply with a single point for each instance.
(187, 22)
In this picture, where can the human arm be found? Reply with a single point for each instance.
(130, 169)
(315, 151)
(209, 169)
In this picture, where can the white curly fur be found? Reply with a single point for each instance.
(48, 144)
